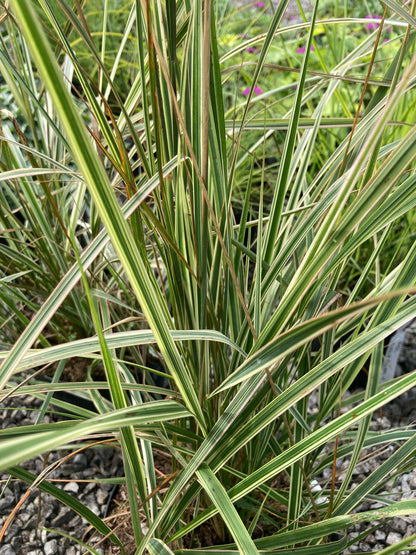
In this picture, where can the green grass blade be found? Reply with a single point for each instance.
(19, 449)
(157, 547)
(104, 198)
(67, 283)
(231, 519)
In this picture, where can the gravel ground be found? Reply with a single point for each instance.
(39, 525)
(401, 413)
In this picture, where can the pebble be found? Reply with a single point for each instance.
(71, 487)
(91, 503)
(370, 539)
(393, 538)
(409, 532)
(327, 473)
(17, 542)
(376, 505)
(62, 517)
(380, 535)
(51, 547)
(44, 535)
(405, 486)
(399, 526)
(80, 461)
(383, 423)
(89, 487)
(101, 496)
(75, 523)
(6, 503)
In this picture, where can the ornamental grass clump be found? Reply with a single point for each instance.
(144, 232)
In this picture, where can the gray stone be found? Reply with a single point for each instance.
(91, 503)
(29, 517)
(399, 525)
(62, 517)
(80, 462)
(409, 532)
(7, 550)
(370, 539)
(14, 530)
(88, 473)
(6, 503)
(44, 536)
(50, 508)
(364, 468)
(89, 488)
(30, 401)
(380, 535)
(101, 496)
(18, 415)
(75, 522)
(51, 547)
(17, 542)
(393, 538)
(327, 473)
(109, 487)
(71, 487)
(33, 535)
(412, 480)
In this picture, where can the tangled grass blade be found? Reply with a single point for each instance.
(206, 237)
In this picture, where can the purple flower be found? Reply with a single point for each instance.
(243, 36)
(251, 50)
(257, 91)
(302, 49)
(373, 25)
(260, 4)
